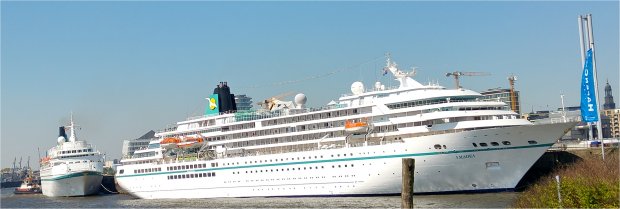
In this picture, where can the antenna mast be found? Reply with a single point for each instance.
(587, 43)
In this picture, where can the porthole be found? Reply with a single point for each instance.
(482, 144)
(532, 142)
(494, 143)
(475, 145)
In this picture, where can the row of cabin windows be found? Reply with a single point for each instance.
(191, 175)
(484, 144)
(331, 124)
(284, 179)
(72, 162)
(278, 122)
(140, 162)
(238, 127)
(276, 140)
(146, 170)
(185, 167)
(293, 169)
(298, 128)
(377, 129)
(288, 159)
(428, 102)
(72, 156)
(292, 158)
(340, 123)
(305, 137)
(316, 116)
(75, 151)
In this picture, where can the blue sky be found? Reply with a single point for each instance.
(125, 68)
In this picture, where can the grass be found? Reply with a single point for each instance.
(588, 183)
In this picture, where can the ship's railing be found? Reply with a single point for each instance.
(249, 115)
(191, 157)
(367, 90)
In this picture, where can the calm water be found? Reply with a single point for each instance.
(491, 200)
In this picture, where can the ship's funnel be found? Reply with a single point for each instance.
(62, 136)
(226, 100)
(61, 132)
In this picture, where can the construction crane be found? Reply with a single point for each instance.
(457, 74)
(13, 170)
(273, 101)
(513, 96)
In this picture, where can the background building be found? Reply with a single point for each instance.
(503, 95)
(243, 102)
(613, 116)
(609, 98)
(129, 146)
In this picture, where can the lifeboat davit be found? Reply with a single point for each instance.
(355, 127)
(169, 142)
(191, 143)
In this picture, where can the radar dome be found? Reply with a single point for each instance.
(378, 85)
(61, 140)
(357, 88)
(300, 100)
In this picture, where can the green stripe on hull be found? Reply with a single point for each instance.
(71, 175)
(342, 160)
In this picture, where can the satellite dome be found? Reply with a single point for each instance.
(61, 140)
(378, 85)
(300, 100)
(357, 88)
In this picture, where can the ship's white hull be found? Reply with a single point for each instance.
(367, 170)
(72, 184)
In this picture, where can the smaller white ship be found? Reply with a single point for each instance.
(71, 168)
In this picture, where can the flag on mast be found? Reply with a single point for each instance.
(589, 109)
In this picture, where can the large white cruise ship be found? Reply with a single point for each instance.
(72, 167)
(350, 147)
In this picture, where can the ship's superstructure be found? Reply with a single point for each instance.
(72, 167)
(352, 146)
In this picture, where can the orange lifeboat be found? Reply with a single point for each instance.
(191, 143)
(169, 142)
(356, 127)
(45, 160)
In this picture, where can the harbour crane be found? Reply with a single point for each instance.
(457, 74)
(513, 96)
(273, 101)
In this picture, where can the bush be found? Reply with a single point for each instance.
(589, 183)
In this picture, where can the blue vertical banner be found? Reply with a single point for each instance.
(589, 109)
